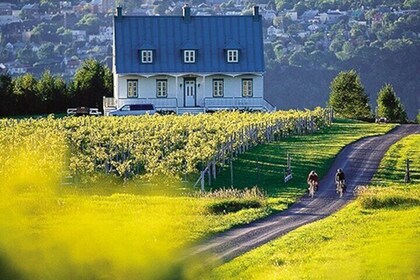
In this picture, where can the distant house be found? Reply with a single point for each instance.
(105, 34)
(17, 69)
(6, 9)
(269, 15)
(189, 63)
(71, 65)
(331, 17)
(30, 11)
(79, 35)
(309, 15)
(292, 15)
(273, 31)
(3, 69)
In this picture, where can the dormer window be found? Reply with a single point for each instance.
(146, 56)
(189, 56)
(232, 56)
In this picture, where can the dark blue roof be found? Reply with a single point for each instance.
(169, 35)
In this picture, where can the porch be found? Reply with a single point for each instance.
(209, 104)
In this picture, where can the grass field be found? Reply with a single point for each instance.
(375, 237)
(48, 231)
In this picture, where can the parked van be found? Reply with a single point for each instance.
(134, 109)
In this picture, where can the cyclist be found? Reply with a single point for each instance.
(312, 176)
(340, 177)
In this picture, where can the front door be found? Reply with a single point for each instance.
(189, 92)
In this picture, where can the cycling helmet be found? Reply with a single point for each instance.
(339, 170)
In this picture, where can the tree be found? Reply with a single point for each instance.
(26, 55)
(64, 35)
(90, 23)
(390, 106)
(7, 104)
(299, 58)
(44, 32)
(45, 51)
(348, 97)
(25, 91)
(51, 91)
(91, 82)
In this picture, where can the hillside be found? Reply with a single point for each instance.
(289, 86)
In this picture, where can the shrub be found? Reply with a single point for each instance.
(233, 205)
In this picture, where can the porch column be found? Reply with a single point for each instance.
(176, 92)
(204, 91)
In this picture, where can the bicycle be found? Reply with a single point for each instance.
(340, 187)
(312, 188)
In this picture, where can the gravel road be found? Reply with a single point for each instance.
(359, 161)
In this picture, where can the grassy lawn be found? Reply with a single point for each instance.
(48, 233)
(375, 237)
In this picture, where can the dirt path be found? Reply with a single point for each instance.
(359, 161)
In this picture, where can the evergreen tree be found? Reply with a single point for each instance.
(390, 106)
(348, 97)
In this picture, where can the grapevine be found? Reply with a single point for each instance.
(143, 146)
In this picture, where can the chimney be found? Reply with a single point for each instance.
(186, 13)
(256, 13)
(119, 11)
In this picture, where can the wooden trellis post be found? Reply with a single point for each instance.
(231, 172)
(407, 171)
(288, 172)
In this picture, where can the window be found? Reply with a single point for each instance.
(146, 56)
(218, 90)
(247, 87)
(132, 88)
(141, 107)
(232, 56)
(189, 56)
(161, 88)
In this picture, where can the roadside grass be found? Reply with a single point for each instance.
(48, 232)
(392, 168)
(355, 243)
(374, 237)
(264, 165)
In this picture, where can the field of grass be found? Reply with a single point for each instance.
(375, 237)
(49, 231)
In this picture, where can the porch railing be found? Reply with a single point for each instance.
(257, 103)
(238, 102)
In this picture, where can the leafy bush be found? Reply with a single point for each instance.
(233, 200)
(233, 205)
(232, 193)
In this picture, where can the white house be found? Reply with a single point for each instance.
(188, 63)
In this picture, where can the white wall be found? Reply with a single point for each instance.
(233, 86)
(204, 87)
